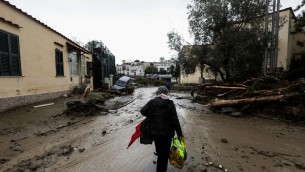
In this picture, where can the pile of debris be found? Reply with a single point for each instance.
(266, 94)
(93, 103)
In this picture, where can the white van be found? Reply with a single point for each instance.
(122, 83)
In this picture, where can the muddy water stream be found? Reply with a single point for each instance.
(44, 139)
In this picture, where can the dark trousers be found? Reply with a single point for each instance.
(163, 145)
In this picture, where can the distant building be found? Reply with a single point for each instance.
(137, 69)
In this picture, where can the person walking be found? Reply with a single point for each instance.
(192, 91)
(168, 85)
(164, 121)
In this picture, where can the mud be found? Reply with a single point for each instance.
(46, 139)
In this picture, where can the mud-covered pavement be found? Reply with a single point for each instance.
(45, 139)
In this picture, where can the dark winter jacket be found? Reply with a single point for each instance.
(163, 117)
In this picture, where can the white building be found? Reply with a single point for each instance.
(164, 65)
(137, 68)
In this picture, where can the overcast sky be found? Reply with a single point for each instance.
(131, 29)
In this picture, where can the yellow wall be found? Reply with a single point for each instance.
(194, 78)
(286, 40)
(37, 58)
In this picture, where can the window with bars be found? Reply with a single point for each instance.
(59, 63)
(9, 54)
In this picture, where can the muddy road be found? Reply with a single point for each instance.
(45, 139)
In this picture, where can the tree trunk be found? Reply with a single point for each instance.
(225, 87)
(237, 102)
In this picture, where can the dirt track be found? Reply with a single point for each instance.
(45, 139)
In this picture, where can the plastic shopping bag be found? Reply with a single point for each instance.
(178, 154)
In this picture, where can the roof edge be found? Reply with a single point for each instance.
(41, 23)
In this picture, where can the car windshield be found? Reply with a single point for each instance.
(120, 83)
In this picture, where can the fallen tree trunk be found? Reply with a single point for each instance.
(237, 102)
(225, 87)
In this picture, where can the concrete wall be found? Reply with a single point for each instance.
(37, 59)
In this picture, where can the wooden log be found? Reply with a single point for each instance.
(230, 92)
(240, 85)
(225, 87)
(238, 102)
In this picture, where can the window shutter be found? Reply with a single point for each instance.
(14, 45)
(9, 55)
(4, 57)
(4, 43)
(15, 55)
(5, 65)
(59, 63)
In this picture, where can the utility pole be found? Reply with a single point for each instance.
(266, 36)
(272, 36)
(276, 42)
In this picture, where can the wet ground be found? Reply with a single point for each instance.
(45, 139)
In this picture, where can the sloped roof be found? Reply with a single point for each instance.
(41, 23)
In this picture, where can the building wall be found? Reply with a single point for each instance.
(37, 58)
(285, 45)
(194, 78)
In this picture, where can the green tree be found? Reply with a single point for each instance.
(174, 41)
(300, 22)
(93, 44)
(172, 70)
(297, 65)
(177, 70)
(151, 70)
(230, 36)
(300, 6)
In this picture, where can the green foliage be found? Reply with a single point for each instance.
(187, 60)
(300, 6)
(163, 72)
(148, 81)
(158, 82)
(299, 23)
(297, 68)
(93, 44)
(231, 37)
(174, 41)
(143, 81)
(177, 70)
(151, 70)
